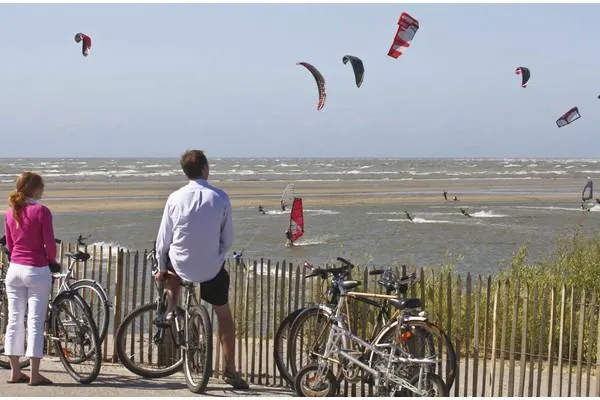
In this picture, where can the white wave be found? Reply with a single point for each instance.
(551, 208)
(512, 165)
(309, 242)
(321, 212)
(419, 220)
(277, 212)
(487, 214)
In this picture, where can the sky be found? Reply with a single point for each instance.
(161, 78)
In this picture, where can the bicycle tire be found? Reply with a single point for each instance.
(432, 334)
(435, 382)
(4, 362)
(322, 314)
(205, 345)
(302, 390)
(103, 304)
(81, 315)
(174, 365)
(280, 353)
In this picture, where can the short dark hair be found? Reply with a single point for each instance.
(193, 163)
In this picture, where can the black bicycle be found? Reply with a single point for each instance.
(70, 327)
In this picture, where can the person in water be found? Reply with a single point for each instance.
(408, 215)
(261, 209)
(464, 212)
(445, 195)
(282, 205)
(288, 236)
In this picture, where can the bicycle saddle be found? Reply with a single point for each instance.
(403, 304)
(79, 256)
(348, 285)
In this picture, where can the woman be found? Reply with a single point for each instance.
(30, 240)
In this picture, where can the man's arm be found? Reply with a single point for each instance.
(226, 230)
(164, 238)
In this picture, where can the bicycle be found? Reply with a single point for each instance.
(94, 293)
(185, 341)
(69, 316)
(419, 335)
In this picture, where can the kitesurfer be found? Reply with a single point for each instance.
(282, 205)
(408, 215)
(464, 212)
(445, 195)
(261, 209)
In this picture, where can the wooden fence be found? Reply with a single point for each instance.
(510, 339)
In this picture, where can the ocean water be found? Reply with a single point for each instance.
(366, 234)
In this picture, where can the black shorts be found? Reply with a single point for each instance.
(215, 291)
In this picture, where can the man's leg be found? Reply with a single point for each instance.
(172, 288)
(226, 336)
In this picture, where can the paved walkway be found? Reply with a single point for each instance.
(116, 380)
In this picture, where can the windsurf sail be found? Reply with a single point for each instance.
(288, 195)
(296, 220)
(588, 191)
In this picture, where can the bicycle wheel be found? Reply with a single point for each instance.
(280, 347)
(310, 382)
(308, 335)
(432, 383)
(421, 339)
(149, 349)
(197, 356)
(75, 336)
(95, 296)
(4, 362)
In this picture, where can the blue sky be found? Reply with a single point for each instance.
(161, 78)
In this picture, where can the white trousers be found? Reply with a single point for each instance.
(27, 289)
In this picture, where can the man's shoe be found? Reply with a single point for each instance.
(235, 379)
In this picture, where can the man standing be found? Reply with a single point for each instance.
(195, 234)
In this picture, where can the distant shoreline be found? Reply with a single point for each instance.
(151, 195)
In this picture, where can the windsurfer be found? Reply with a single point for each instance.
(288, 236)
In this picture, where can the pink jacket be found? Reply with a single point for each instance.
(32, 243)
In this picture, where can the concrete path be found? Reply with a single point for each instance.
(116, 380)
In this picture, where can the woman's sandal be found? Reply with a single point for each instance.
(23, 379)
(43, 382)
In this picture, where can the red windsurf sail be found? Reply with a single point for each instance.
(296, 220)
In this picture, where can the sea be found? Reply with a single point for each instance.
(367, 234)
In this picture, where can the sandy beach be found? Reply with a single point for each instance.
(147, 195)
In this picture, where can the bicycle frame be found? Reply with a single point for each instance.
(340, 333)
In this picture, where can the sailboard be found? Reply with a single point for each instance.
(288, 195)
(588, 191)
(296, 220)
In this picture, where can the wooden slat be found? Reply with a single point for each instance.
(551, 341)
(571, 333)
(457, 335)
(467, 333)
(485, 336)
(563, 296)
(592, 331)
(524, 331)
(476, 337)
(270, 334)
(533, 346)
(513, 338)
(505, 299)
(494, 337)
(580, 344)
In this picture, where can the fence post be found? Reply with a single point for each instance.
(117, 301)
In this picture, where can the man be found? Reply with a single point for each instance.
(282, 205)
(408, 215)
(464, 212)
(288, 236)
(195, 234)
(261, 209)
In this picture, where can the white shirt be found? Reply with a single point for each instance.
(195, 232)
